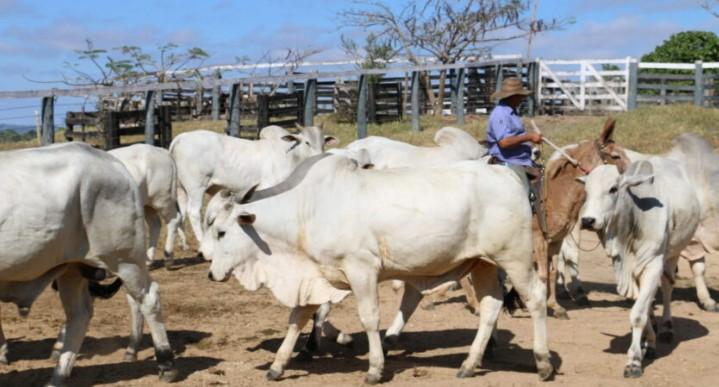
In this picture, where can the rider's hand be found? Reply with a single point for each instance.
(535, 138)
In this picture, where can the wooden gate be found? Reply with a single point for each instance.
(583, 85)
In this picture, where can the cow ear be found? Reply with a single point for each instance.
(633, 181)
(291, 138)
(298, 126)
(606, 136)
(331, 140)
(581, 179)
(246, 218)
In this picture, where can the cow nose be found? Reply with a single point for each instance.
(588, 222)
(210, 277)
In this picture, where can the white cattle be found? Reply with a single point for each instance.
(156, 175)
(645, 219)
(209, 161)
(66, 205)
(452, 145)
(701, 163)
(344, 228)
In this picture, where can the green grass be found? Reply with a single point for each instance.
(648, 129)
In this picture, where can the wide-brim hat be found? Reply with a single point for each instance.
(510, 87)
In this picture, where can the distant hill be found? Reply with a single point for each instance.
(17, 128)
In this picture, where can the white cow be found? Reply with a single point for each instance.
(70, 204)
(156, 175)
(344, 228)
(453, 144)
(645, 219)
(208, 161)
(701, 163)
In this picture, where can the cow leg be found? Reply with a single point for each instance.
(173, 219)
(650, 338)
(639, 314)
(705, 300)
(410, 299)
(487, 288)
(559, 311)
(314, 341)
(533, 290)
(57, 347)
(153, 224)
(77, 303)
(298, 318)
(136, 323)
(666, 329)
(568, 268)
(3, 346)
(468, 288)
(364, 286)
(146, 293)
(194, 211)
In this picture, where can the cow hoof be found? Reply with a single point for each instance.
(129, 357)
(168, 375)
(561, 314)
(711, 307)
(304, 356)
(650, 353)
(632, 371)
(545, 373)
(391, 341)
(666, 336)
(465, 373)
(581, 300)
(372, 379)
(345, 339)
(273, 375)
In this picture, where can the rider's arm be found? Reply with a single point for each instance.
(513, 141)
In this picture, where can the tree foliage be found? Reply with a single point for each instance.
(686, 47)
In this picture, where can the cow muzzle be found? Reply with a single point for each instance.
(588, 223)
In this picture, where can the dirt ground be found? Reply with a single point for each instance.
(226, 336)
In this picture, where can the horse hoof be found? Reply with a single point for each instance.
(304, 356)
(168, 375)
(273, 375)
(129, 357)
(465, 373)
(650, 353)
(632, 371)
(666, 336)
(372, 379)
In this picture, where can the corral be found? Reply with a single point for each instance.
(227, 336)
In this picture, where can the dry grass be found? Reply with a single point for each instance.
(648, 129)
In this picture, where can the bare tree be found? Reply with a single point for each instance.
(709, 6)
(448, 30)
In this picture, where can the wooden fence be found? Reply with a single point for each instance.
(560, 87)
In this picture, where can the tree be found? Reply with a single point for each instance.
(686, 47)
(448, 30)
(709, 5)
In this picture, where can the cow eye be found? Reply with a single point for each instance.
(210, 222)
(613, 190)
(307, 142)
(220, 234)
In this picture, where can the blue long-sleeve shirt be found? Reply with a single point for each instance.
(504, 122)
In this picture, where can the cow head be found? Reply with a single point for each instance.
(230, 240)
(604, 186)
(310, 140)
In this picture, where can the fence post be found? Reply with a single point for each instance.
(499, 73)
(532, 84)
(233, 119)
(452, 80)
(362, 94)
(150, 117)
(633, 84)
(47, 127)
(310, 98)
(415, 101)
(459, 95)
(216, 95)
(699, 83)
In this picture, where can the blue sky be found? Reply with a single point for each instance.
(36, 37)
